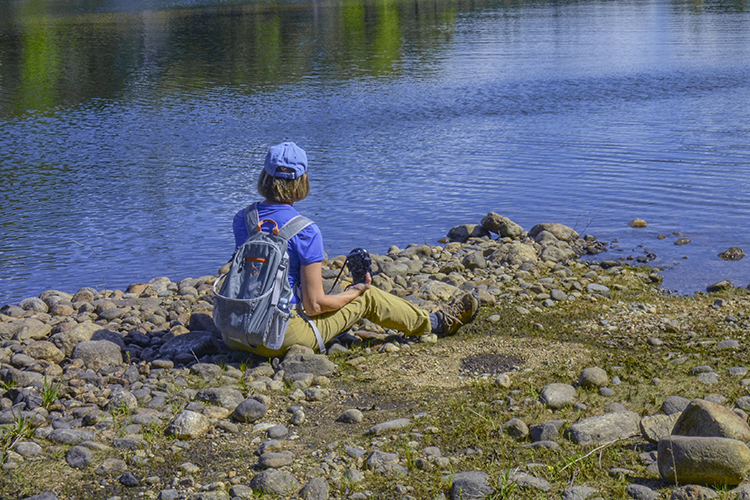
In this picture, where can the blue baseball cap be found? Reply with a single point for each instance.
(286, 154)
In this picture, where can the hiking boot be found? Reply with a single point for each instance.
(459, 312)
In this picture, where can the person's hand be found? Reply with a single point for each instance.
(361, 287)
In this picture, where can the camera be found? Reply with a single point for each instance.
(360, 264)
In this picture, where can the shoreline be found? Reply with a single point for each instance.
(588, 249)
(134, 393)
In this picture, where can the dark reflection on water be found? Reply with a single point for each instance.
(131, 132)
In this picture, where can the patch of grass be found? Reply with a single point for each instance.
(7, 385)
(20, 429)
(50, 392)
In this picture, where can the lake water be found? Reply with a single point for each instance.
(131, 132)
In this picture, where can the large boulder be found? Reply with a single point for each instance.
(703, 460)
(503, 226)
(605, 428)
(707, 419)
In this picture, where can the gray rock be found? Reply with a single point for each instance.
(604, 428)
(693, 492)
(45, 350)
(70, 436)
(277, 431)
(558, 395)
(241, 491)
(300, 359)
(703, 460)
(26, 329)
(34, 304)
(67, 340)
(731, 253)
(473, 485)
(640, 492)
(548, 431)
(392, 425)
(378, 458)
(514, 254)
(474, 260)
(79, 457)
(703, 418)
(20, 378)
(719, 286)
(207, 371)
(28, 449)
(111, 467)
(708, 378)
(503, 226)
(129, 480)
(227, 397)
(743, 402)
(516, 428)
(555, 253)
(674, 404)
(351, 416)
(524, 480)
(598, 289)
(559, 231)
(728, 344)
(47, 495)
(97, 353)
(593, 378)
(121, 398)
(315, 489)
(465, 231)
(657, 427)
(249, 411)
(129, 443)
(742, 492)
(275, 460)
(353, 476)
(196, 344)
(578, 493)
(188, 425)
(275, 482)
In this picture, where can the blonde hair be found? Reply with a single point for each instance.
(283, 190)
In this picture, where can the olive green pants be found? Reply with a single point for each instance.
(384, 309)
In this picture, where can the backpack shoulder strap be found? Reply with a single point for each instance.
(294, 226)
(251, 218)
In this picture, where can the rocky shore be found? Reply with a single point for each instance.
(578, 380)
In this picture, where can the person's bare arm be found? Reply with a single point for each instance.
(314, 298)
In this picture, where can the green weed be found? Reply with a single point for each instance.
(50, 392)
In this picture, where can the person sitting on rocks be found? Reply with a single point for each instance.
(284, 181)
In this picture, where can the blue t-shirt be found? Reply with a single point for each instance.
(304, 248)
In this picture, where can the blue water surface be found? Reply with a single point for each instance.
(130, 133)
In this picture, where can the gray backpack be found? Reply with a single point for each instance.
(252, 307)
